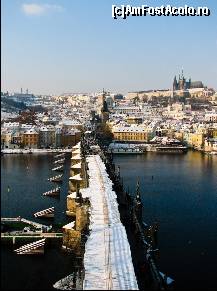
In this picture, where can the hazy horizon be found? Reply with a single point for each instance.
(52, 47)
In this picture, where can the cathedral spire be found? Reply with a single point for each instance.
(175, 84)
(182, 76)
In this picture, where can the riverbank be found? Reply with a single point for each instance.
(34, 151)
(120, 149)
(143, 148)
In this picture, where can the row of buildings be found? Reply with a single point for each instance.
(38, 137)
(141, 122)
(131, 120)
(205, 139)
(59, 125)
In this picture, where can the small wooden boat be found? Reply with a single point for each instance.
(46, 213)
(60, 155)
(53, 192)
(34, 248)
(61, 161)
(57, 179)
(60, 169)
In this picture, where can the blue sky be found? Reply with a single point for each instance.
(75, 45)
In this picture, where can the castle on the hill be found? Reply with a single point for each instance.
(183, 84)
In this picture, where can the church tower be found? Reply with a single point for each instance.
(182, 83)
(104, 103)
(104, 109)
(175, 84)
(189, 83)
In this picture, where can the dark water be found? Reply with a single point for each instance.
(27, 177)
(34, 272)
(182, 197)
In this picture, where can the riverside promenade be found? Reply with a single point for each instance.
(34, 151)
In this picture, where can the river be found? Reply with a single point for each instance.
(27, 177)
(181, 196)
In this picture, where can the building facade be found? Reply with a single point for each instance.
(47, 136)
(30, 139)
(130, 134)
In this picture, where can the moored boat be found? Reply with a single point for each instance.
(61, 161)
(126, 151)
(166, 145)
(171, 149)
(59, 155)
(53, 192)
(46, 213)
(57, 179)
(60, 169)
(34, 248)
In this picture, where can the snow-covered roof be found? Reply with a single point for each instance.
(76, 177)
(31, 131)
(43, 128)
(76, 166)
(76, 151)
(72, 195)
(71, 122)
(69, 225)
(130, 129)
(77, 146)
(77, 157)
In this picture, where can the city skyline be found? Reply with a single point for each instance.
(109, 144)
(53, 47)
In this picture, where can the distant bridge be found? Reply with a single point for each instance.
(31, 235)
(20, 219)
(13, 237)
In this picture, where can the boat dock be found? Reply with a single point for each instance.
(26, 237)
(37, 225)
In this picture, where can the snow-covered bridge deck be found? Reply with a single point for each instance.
(107, 259)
